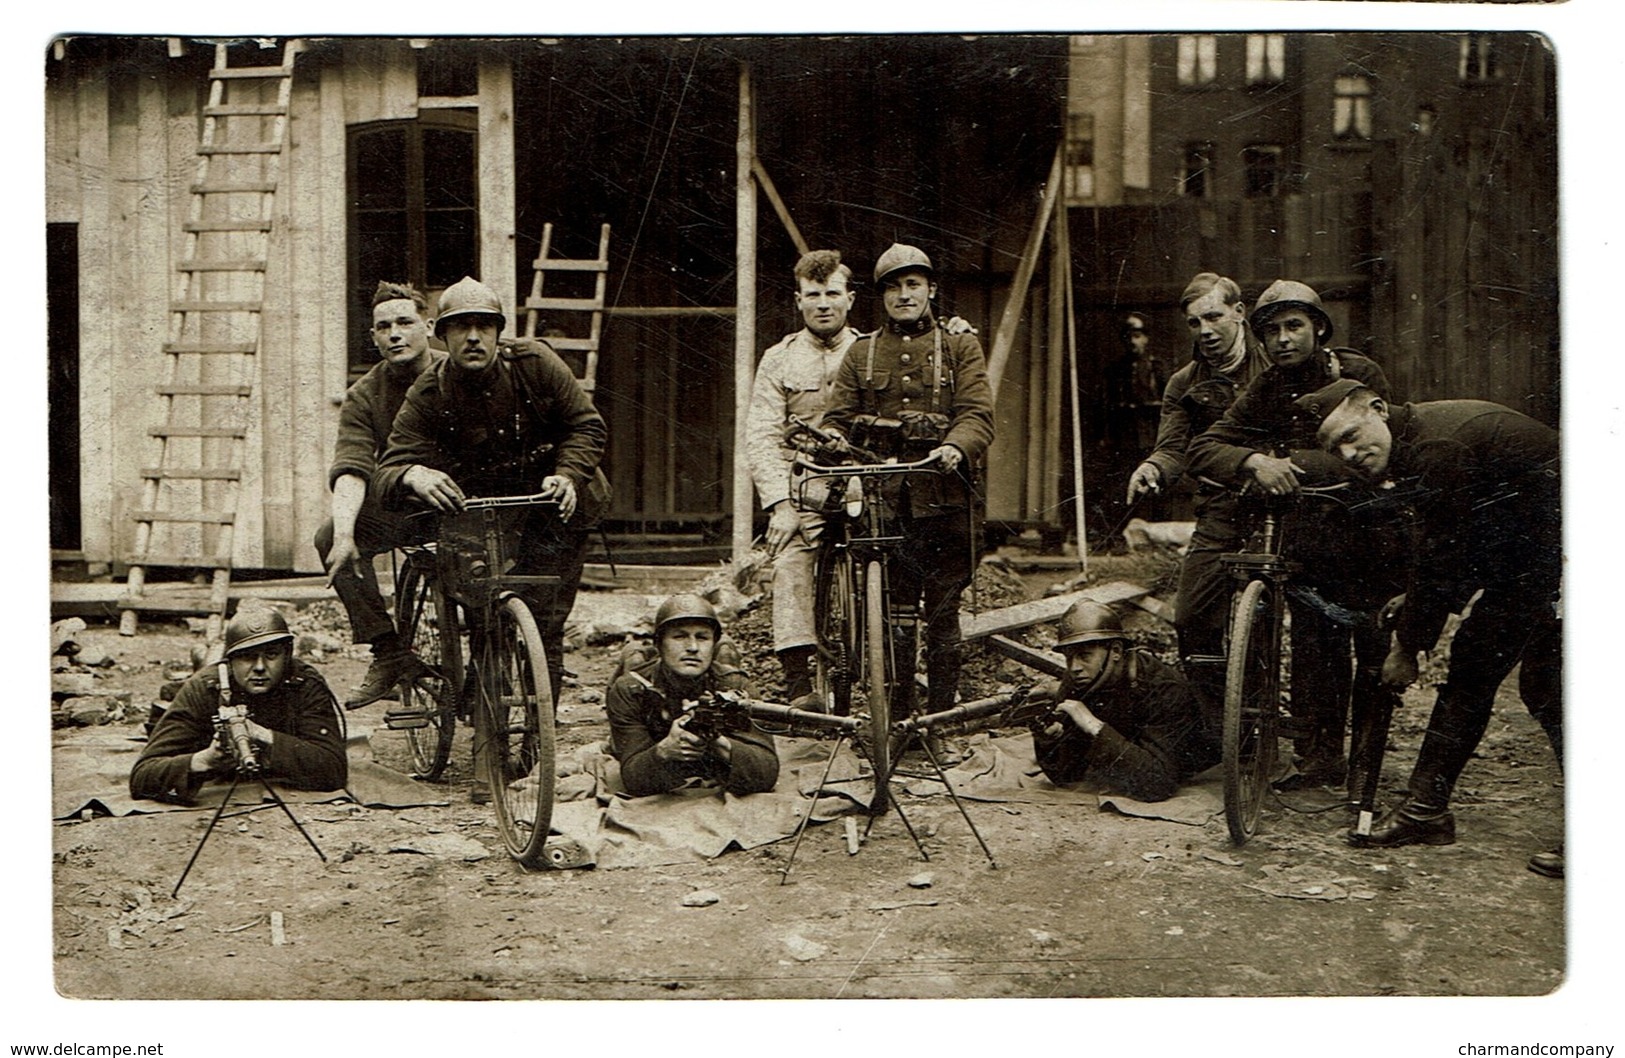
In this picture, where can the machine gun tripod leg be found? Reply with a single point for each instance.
(275, 797)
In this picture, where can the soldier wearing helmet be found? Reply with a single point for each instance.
(1131, 722)
(913, 371)
(293, 721)
(359, 527)
(795, 378)
(648, 725)
(1266, 443)
(503, 418)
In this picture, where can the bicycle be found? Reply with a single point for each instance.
(461, 582)
(1255, 660)
(853, 610)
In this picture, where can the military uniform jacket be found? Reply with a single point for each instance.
(307, 752)
(1263, 418)
(895, 372)
(1153, 739)
(1488, 498)
(368, 415)
(1195, 398)
(500, 431)
(642, 705)
(795, 378)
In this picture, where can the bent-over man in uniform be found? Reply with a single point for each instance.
(493, 420)
(1488, 520)
(294, 724)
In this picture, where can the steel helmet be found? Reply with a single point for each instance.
(899, 257)
(1290, 294)
(468, 297)
(1088, 622)
(255, 628)
(686, 607)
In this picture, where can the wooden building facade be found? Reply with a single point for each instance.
(429, 159)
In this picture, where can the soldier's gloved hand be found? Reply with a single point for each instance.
(1399, 669)
(835, 444)
(1146, 478)
(782, 526)
(210, 758)
(562, 489)
(1045, 690)
(434, 487)
(1388, 616)
(949, 456)
(344, 557)
(680, 744)
(1277, 477)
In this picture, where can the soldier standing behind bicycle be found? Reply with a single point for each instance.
(934, 384)
(1225, 357)
(795, 378)
(1489, 518)
(501, 420)
(1242, 449)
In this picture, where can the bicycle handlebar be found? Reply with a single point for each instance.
(802, 464)
(533, 499)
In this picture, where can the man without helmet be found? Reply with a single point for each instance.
(359, 528)
(1488, 500)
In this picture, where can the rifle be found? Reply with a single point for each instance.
(1011, 709)
(717, 713)
(231, 732)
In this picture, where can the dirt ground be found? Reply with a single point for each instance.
(1083, 902)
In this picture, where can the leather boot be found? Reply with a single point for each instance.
(1549, 864)
(797, 665)
(1410, 824)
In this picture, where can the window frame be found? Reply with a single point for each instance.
(415, 209)
(1196, 55)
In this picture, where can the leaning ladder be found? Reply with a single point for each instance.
(188, 512)
(555, 307)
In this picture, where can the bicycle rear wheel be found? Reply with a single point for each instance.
(427, 624)
(1251, 702)
(835, 609)
(876, 638)
(516, 723)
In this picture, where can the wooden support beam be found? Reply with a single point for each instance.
(1005, 337)
(745, 322)
(1046, 661)
(1027, 614)
(1063, 242)
(779, 207)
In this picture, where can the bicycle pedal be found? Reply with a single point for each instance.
(406, 721)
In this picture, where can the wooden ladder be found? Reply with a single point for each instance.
(188, 512)
(536, 304)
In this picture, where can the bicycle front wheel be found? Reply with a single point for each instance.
(876, 638)
(516, 723)
(427, 623)
(835, 609)
(1251, 701)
